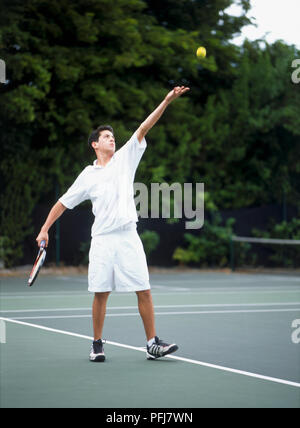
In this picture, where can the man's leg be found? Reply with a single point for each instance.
(155, 347)
(146, 310)
(99, 311)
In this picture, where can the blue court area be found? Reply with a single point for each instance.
(237, 334)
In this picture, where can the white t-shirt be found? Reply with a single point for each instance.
(110, 188)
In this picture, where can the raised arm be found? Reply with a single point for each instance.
(56, 211)
(157, 113)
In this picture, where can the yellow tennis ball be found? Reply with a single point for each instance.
(201, 52)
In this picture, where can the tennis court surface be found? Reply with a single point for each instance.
(238, 337)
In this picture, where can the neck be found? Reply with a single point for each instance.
(103, 158)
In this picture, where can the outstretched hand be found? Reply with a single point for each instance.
(176, 92)
(156, 114)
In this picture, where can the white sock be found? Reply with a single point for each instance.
(151, 341)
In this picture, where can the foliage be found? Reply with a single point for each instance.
(84, 252)
(208, 248)
(17, 203)
(250, 133)
(284, 255)
(74, 65)
(150, 240)
(6, 251)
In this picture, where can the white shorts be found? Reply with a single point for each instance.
(117, 261)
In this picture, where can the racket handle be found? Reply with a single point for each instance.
(43, 243)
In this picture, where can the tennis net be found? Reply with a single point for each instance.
(264, 252)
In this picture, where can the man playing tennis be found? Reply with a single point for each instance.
(116, 259)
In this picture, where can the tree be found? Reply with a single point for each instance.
(74, 65)
(250, 133)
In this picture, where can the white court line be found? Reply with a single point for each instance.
(173, 357)
(130, 314)
(201, 305)
(202, 291)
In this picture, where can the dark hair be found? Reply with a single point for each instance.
(94, 136)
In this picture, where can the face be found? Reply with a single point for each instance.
(105, 143)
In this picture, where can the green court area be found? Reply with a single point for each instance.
(237, 337)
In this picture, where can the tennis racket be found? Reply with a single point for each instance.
(38, 263)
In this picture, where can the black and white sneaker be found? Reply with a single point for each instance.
(97, 353)
(160, 349)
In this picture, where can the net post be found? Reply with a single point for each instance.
(231, 253)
